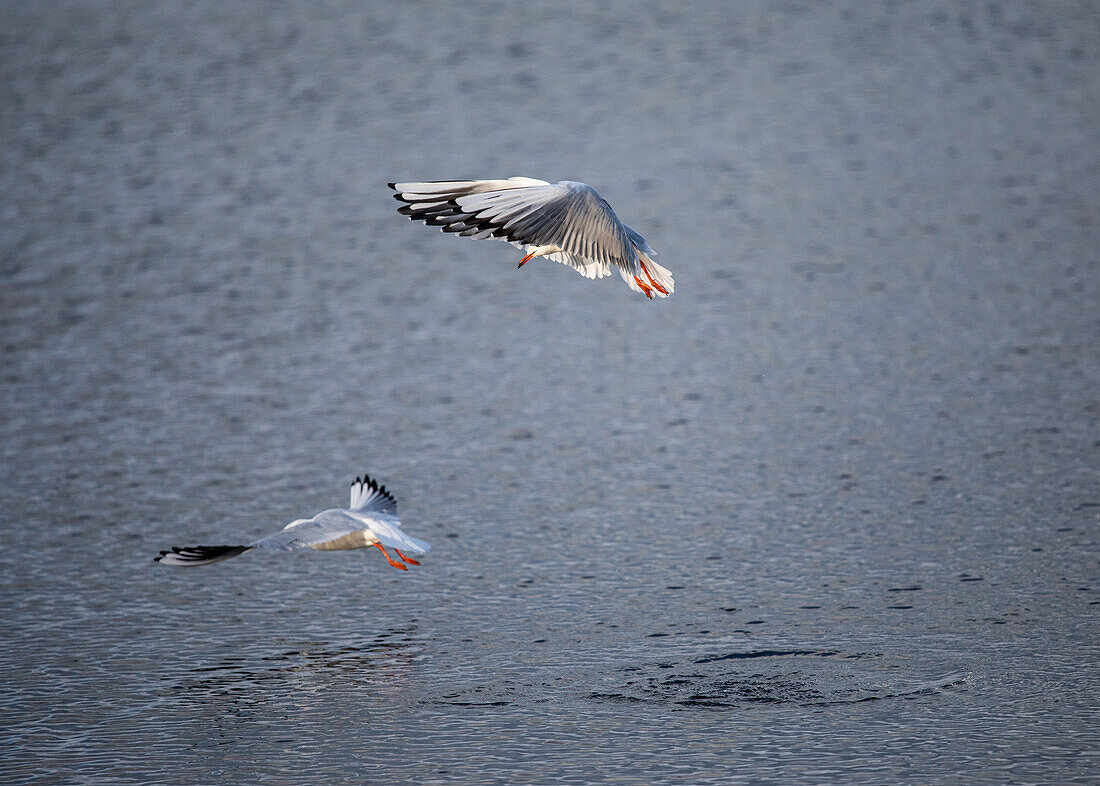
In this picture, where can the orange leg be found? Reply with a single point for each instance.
(409, 560)
(397, 565)
(641, 285)
(656, 286)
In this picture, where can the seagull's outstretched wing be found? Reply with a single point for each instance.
(303, 533)
(529, 214)
(367, 494)
(190, 556)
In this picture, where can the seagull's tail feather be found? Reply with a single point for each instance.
(658, 280)
(192, 556)
(390, 534)
(415, 545)
(658, 275)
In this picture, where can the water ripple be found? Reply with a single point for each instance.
(795, 677)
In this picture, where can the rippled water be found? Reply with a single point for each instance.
(828, 514)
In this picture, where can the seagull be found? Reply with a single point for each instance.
(370, 520)
(567, 222)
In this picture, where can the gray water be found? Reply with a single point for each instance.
(827, 514)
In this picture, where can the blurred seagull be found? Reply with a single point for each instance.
(567, 222)
(371, 520)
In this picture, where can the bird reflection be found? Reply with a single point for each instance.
(381, 664)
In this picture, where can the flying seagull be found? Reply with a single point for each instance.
(370, 520)
(567, 222)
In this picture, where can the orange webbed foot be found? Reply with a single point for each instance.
(409, 560)
(642, 286)
(397, 565)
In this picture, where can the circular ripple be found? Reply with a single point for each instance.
(799, 677)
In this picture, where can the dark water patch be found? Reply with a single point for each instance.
(457, 703)
(767, 654)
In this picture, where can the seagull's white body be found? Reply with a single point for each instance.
(567, 222)
(370, 520)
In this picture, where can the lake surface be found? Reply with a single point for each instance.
(827, 514)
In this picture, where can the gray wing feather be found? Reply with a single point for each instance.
(528, 213)
(303, 533)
